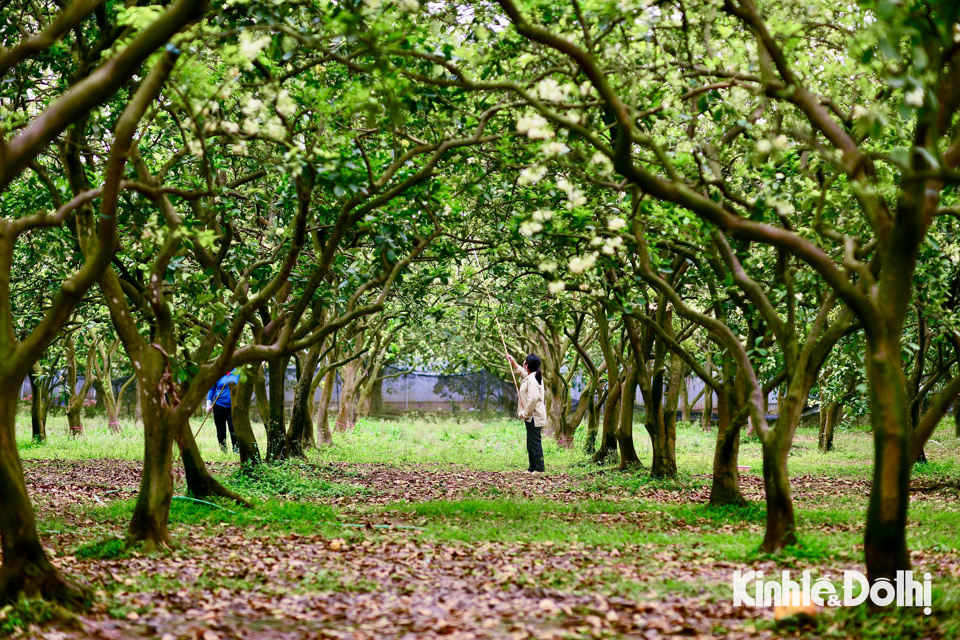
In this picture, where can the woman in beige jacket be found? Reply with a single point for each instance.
(531, 408)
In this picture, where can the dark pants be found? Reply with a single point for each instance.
(223, 418)
(534, 447)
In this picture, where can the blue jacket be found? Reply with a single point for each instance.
(222, 390)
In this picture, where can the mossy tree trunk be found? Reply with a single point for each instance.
(240, 397)
(273, 422)
(301, 424)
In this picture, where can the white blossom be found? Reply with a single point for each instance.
(612, 244)
(555, 148)
(240, 147)
(251, 46)
(564, 185)
(409, 5)
(548, 266)
(579, 265)
(764, 146)
(914, 97)
(528, 228)
(275, 128)
(532, 175)
(193, 146)
(556, 287)
(596, 241)
(285, 104)
(575, 198)
(549, 90)
(253, 107)
(230, 127)
(541, 215)
(535, 126)
(251, 126)
(860, 112)
(600, 158)
(616, 223)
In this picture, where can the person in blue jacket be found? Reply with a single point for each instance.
(218, 401)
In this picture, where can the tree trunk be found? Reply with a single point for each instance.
(828, 422)
(324, 437)
(376, 399)
(662, 430)
(300, 422)
(593, 423)
(26, 571)
(956, 418)
(274, 422)
(74, 421)
(76, 396)
(200, 483)
(260, 393)
(555, 397)
(725, 489)
(706, 418)
(113, 414)
(684, 401)
(151, 513)
(240, 396)
(781, 521)
(38, 410)
(347, 413)
(781, 518)
(138, 409)
(628, 454)
(885, 541)
(611, 415)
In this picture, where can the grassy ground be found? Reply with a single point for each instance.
(429, 511)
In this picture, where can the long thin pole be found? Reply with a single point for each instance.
(202, 422)
(513, 373)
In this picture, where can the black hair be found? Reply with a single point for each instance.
(533, 366)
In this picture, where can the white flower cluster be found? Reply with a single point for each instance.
(611, 245)
(548, 266)
(616, 223)
(575, 197)
(555, 148)
(285, 104)
(542, 215)
(532, 175)
(548, 89)
(914, 97)
(556, 286)
(535, 126)
(251, 46)
(606, 165)
(528, 228)
(579, 265)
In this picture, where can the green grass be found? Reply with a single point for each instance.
(297, 496)
(496, 444)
